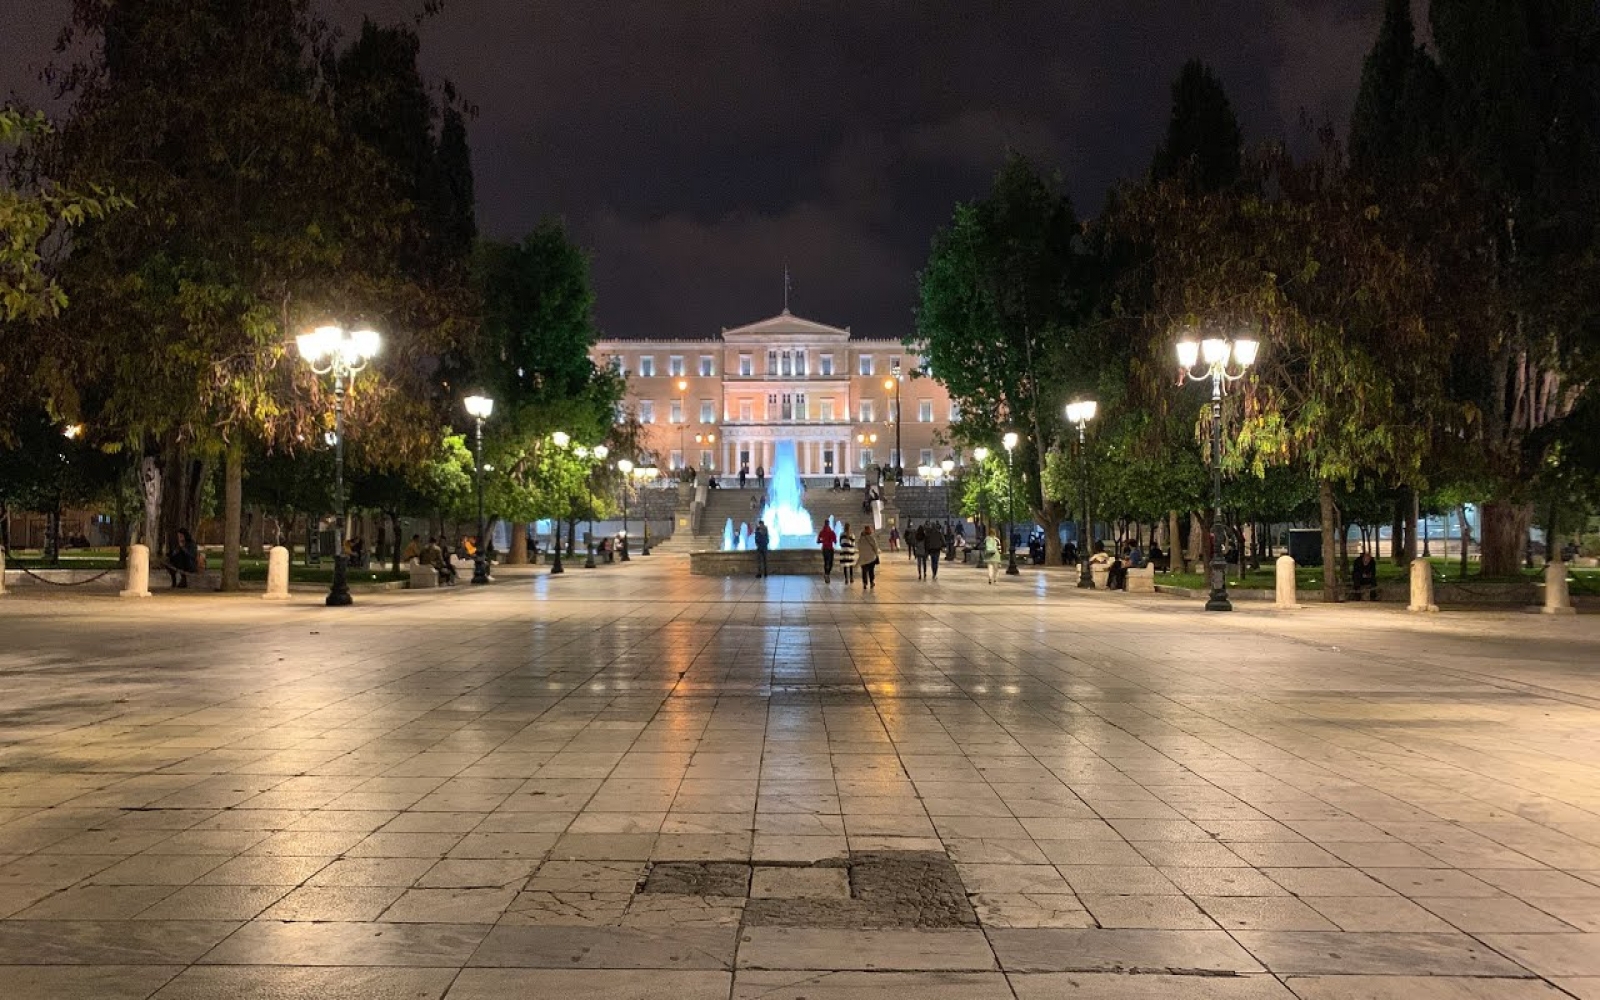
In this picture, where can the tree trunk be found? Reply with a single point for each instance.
(1174, 542)
(258, 532)
(1197, 540)
(1050, 521)
(399, 546)
(1330, 518)
(232, 513)
(1505, 534)
(519, 544)
(1466, 539)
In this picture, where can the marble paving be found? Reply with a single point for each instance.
(634, 783)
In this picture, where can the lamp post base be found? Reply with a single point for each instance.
(1085, 578)
(555, 567)
(1219, 587)
(480, 570)
(622, 551)
(339, 591)
(1011, 565)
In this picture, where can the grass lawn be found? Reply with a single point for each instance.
(249, 569)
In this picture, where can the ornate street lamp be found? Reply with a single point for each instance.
(947, 468)
(1079, 414)
(479, 408)
(560, 439)
(331, 350)
(980, 455)
(1010, 442)
(899, 456)
(625, 466)
(1197, 362)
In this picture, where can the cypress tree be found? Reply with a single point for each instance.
(1203, 140)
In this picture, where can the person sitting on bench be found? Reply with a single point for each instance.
(1364, 577)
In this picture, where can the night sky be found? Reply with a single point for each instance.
(696, 146)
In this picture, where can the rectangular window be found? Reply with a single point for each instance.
(677, 460)
(747, 366)
(647, 411)
(800, 411)
(788, 363)
(647, 366)
(866, 364)
(706, 461)
(746, 410)
(894, 363)
(708, 411)
(927, 457)
(827, 408)
(772, 408)
(675, 365)
(866, 411)
(955, 411)
(925, 411)
(827, 365)
(827, 459)
(707, 366)
(676, 411)
(800, 363)
(772, 364)
(866, 457)
(788, 407)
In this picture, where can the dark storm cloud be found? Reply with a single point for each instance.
(696, 147)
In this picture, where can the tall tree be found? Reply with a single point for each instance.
(1003, 301)
(1522, 103)
(257, 215)
(1203, 145)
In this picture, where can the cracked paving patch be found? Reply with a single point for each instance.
(891, 889)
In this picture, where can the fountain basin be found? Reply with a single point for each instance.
(780, 562)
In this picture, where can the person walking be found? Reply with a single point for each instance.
(827, 539)
(894, 539)
(744, 474)
(991, 556)
(867, 557)
(763, 540)
(919, 551)
(847, 554)
(934, 540)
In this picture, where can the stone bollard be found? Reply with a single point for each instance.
(1422, 586)
(1287, 598)
(138, 581)
(277, 574)
(1557, 599)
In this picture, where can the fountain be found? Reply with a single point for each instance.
(790, 530)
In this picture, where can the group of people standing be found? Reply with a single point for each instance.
(853, 551)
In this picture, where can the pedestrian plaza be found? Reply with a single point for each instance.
(631, 782)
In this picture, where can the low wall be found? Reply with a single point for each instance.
(780, 562)
(97, 580)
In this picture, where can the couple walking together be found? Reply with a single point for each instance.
(853, 552)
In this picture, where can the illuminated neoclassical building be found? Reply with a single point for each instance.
(724, 402)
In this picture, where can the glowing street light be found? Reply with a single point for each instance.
(331, 350)
(1214, 352)
(1079, 413)
(479, 408)
(1010, 443)
(625, 466)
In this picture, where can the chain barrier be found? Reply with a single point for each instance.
(65, 583)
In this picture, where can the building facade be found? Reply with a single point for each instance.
(724, 403)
